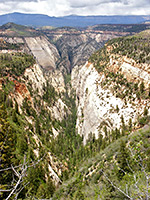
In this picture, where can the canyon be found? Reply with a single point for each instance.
(66, 50)
(74, 88)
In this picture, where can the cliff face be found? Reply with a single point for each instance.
(38, 93)
(132, 71)
(33, 95)
(114, 90)
(44, 52)
(75, 46)
(97, 106)
(35, 75)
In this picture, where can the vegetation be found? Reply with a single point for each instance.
(21, 133)
(121, 27)
(50, 94)
(16, 145)
(15, 64)
(4, 45)
(19, 164)
(114, 172)
(11, 29)
(135, 47)
(67, 146)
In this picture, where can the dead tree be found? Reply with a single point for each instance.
(18, 182)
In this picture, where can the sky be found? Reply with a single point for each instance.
(76, 7)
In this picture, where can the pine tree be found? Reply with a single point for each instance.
(16, 107)
(117, 133)
(105, 131)
(37, 127)
(14, 116)
(123, 158)
(142, 87)
(149, 91)
(117, 108)
(123, 123)
(130, 124)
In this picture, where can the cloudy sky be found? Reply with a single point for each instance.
(79, 7)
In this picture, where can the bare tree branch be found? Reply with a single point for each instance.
(21, 190)
(20, 172)
(8, 168)
(118, 188)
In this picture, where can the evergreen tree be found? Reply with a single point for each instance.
(123, 158)
(14, 116)
(123, 123)
(117, 108)
(142, 87)
(117, 133)
(37, 126)
(149, 91)
(105, 131)
(16, 107)
(130, 124)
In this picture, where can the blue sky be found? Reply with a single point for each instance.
(78, 7)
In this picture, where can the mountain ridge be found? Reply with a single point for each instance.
(71, 20)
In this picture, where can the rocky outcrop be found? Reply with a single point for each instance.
(30, 87)
(55, 169)
(75, 46)
(132, 71)
(36, 77)
(45, 53)
(96, 106)
(56, 79)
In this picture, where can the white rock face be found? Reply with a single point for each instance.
(96, 107)
(35, 75)
(45, 53)
(130, 69)
(55, 169)
(56, 79)
(58, 110)
(136, 73)
(14, 40)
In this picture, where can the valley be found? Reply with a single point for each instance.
(70, 102)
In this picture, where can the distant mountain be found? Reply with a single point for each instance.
(72, 20)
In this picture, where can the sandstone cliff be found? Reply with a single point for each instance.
(114, 90)
(96, 106)
(44, 52)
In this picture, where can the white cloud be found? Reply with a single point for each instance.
(18, 1)
(86, 3)
(79, 7)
